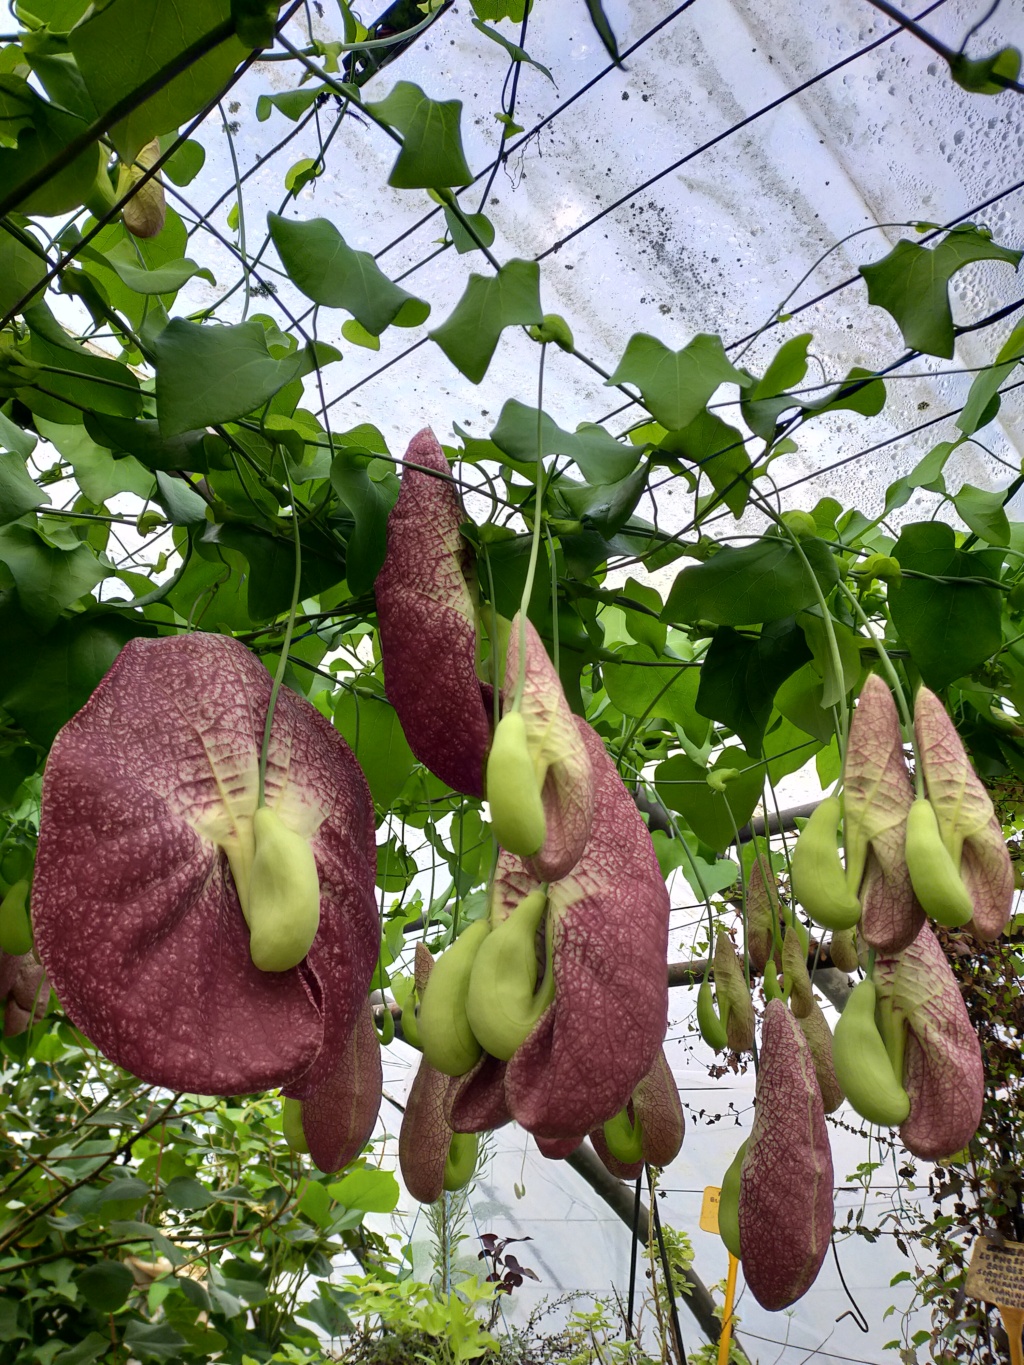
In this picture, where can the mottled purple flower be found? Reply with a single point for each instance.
(136, 916)
(426, 612)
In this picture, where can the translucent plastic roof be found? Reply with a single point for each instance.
(692, 191)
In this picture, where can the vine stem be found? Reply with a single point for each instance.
(282, 662)
(531, 571)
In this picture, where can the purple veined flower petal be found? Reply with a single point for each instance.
(476, 1102)
(609, 936)
(877, 794)
(339, 1115)
(656, 1105)
(555, 744)
(427, 619)
(425, 1135)
(557, 1149)
(24, 991)
(942, 1068)
(136, 916)
(966, 817)
(786, 1203)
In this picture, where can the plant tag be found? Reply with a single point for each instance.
(709, 1209)
(996, 1273)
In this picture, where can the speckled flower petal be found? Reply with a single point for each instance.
(942, 1068)
(135, 913)
(427, 623)
(600, 1036)
(731, 985)
(476, 1102)
(762, 911)
(819, 1035)
(557, 746)
(338, 1117)
(557, 1149)
(966, 817)
(877, 796)
(786, 1184)
(24, 991)
(425, 1135)
(656, 1105)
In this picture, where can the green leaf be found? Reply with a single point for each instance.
(396, 868)
(978, 410)
(861, 391)
(431, 156)
(75, 382)
(462, 240)
(328, 271)
(517, 53)
(105, 1285)
(19, 493)
(369, 494)
(255, 21)
(367, 1189)
(45, 679)
(470, 334)
(43, 131)
(976, 75)
(184, 506)
(90, 1348)
(142, 439)
(763, 403)
(740, 676)
(718, 450)
(48, 579)
(292, 103)
(162, 279)
(15, 438)
(146, 37)
(608, 506)
(97, 473)
(985, 513)
(601, 458)
(185, 164)
(210, 374)
(154, 1340)
(375, 737)
(949, 627)
(912, 284)
(645, 629)
(357, 334)
(765, 581)
(272, 563)
(500, 9)
(683, 787)
(185, 1192)
(640, 684)
(21, 269)
(604, 29)
(675, 385)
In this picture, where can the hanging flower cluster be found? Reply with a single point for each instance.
(203, 941)
(552, 1009)
(904, 1053)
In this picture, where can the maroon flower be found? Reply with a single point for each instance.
(24, 991)
(426, 612)
(877, 796)
(786, 1184)
(136, 916)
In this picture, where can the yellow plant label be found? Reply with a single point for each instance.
(996, 1273)
(709, 1209)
